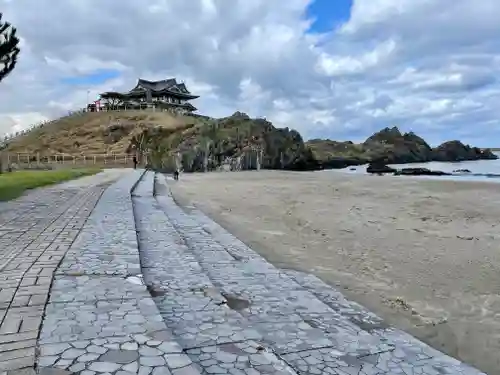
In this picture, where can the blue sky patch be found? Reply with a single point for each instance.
(328, 14)
(95, 78)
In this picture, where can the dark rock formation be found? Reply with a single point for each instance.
(335, 155)
(419, 172)
(384, 169)
(379, 169)
(457, 151)
(236, 142)
(390, 146)
(339, 162)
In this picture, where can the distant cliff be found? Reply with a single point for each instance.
(390, 146)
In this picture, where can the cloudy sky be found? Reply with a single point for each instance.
(329, 68)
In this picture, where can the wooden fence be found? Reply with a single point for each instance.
(27, 161)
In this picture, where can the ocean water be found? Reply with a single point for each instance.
(481, 170)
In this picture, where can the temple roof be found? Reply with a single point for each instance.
(170, 84)
(166, 86)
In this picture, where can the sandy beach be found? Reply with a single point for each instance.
(423, 254)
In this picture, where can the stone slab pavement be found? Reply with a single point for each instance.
(133, 284)
(36, 231)
(100, 317)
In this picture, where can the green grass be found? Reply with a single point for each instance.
(14, 184)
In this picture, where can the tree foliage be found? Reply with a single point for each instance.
(9, 49)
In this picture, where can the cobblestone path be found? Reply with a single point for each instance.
(148, 288)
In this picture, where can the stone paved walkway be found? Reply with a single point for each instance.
(35, 233)
(148, 288)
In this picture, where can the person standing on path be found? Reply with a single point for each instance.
(134, 159)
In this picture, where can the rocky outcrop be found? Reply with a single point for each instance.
(390, 146)
(237, 142)
(457, 151)
(376, 168)
(384, 169)
(339, 162)
(419, 172)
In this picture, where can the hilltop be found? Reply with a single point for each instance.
(201, 143)
(93, 132)
(197, 142)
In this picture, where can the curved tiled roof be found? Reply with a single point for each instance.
(166, 86)
(170, 84)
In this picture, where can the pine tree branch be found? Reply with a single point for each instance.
(9, 49)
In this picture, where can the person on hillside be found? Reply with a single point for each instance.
(134, 160)
(176, 175)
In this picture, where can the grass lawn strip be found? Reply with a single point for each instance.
(14, 184)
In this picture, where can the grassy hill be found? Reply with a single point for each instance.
(198, 143)
(94, 132)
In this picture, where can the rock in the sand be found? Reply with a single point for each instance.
(340, 162)
(419, 172)
(379, 168)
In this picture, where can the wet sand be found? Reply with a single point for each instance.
(423, 254)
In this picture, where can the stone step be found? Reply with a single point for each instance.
(107, 245)
(100, 318)
(180, 287)
(214, 336)
(266, 300)
(145, 185)
(308, 323)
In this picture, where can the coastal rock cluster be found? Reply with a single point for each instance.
(380, 169)
(390, 146)
(239, 142)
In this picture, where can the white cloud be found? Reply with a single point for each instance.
(372, 13)
(15, 122)
(428, 65)
(81, 65)
(339, 65)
